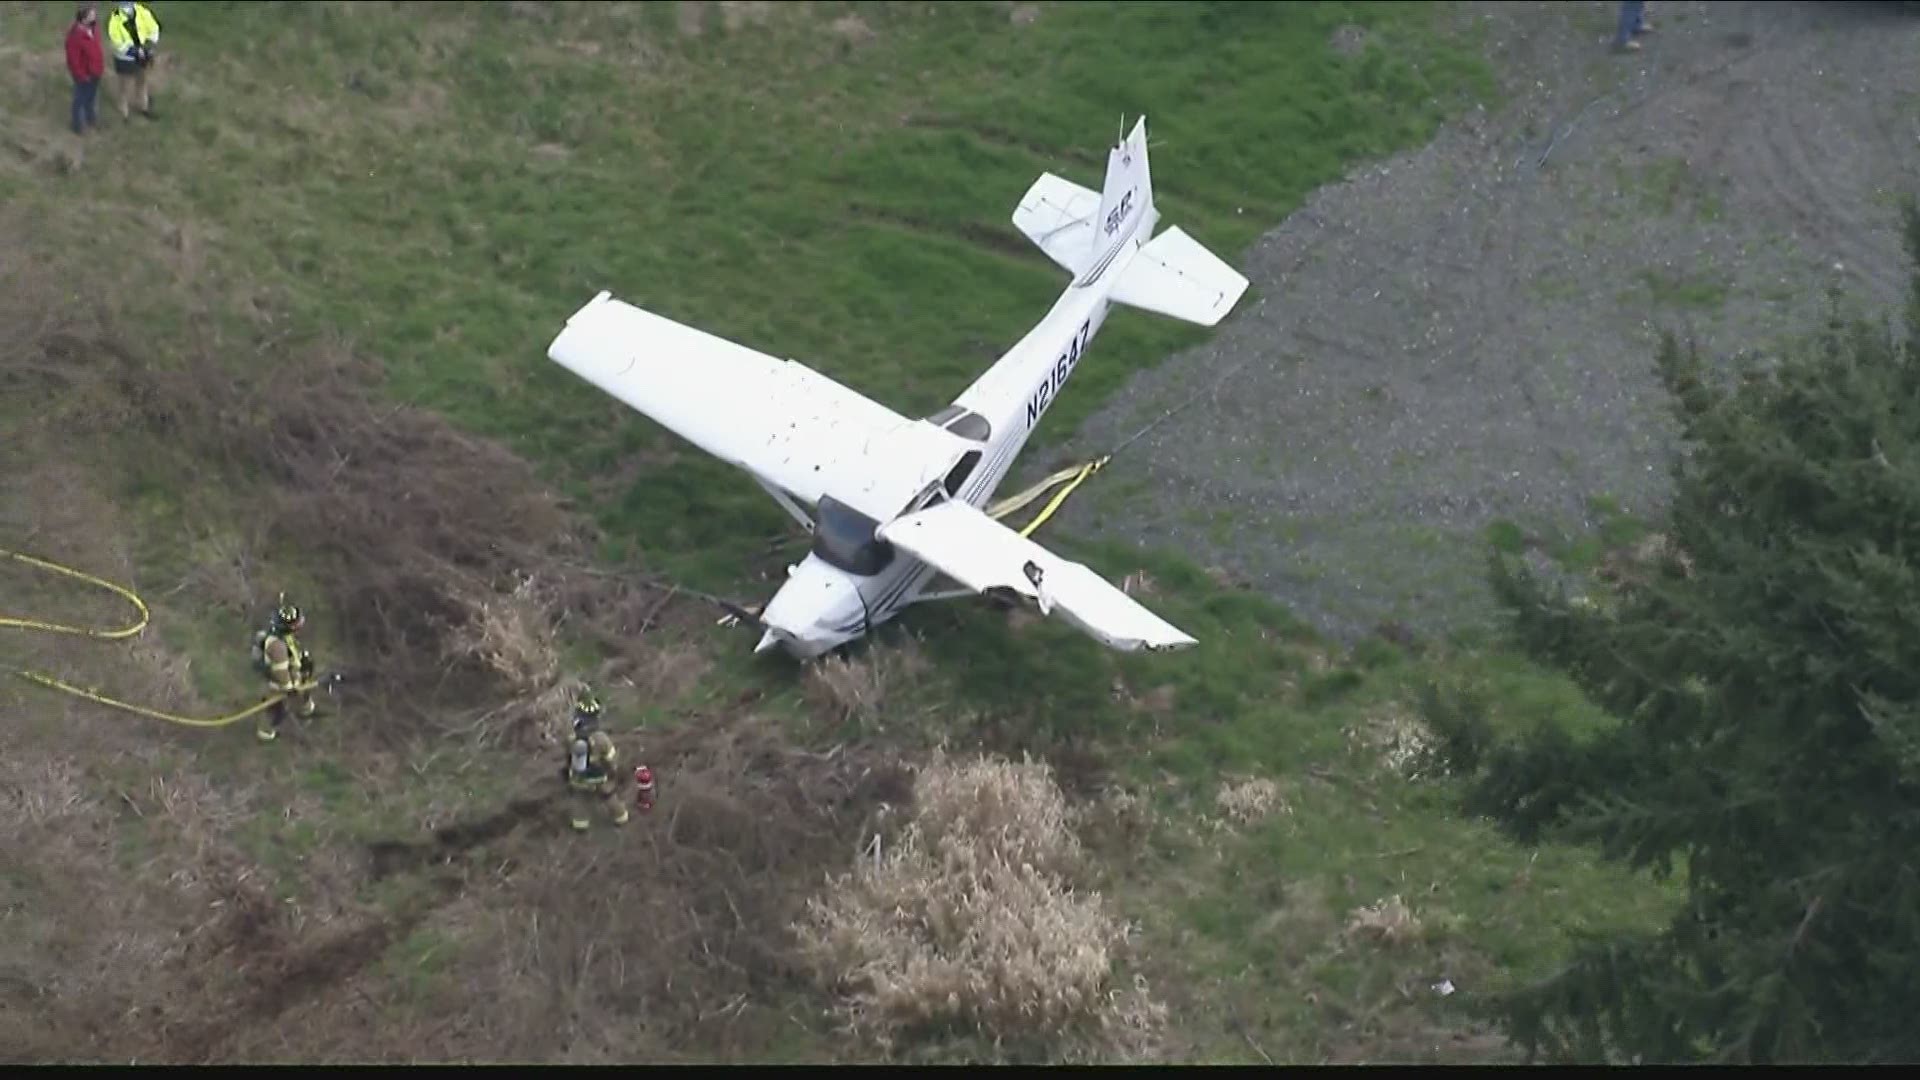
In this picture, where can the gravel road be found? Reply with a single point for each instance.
(1465, 333)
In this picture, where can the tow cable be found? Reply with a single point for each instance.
(1079, 474)
(119, 633)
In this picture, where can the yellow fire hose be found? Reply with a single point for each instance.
(52, 683)
(58, 628)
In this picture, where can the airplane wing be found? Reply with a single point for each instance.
(982, 554)
(785, 423)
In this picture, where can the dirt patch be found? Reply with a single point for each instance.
(1349, 40)
(1023, 14)
(389, 857)
(735, 14)
(1388, 922)
(1465, 333)
(852, 28)
(691, 17)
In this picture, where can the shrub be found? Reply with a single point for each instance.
(967, 923)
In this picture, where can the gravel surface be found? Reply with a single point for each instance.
(1465, 334)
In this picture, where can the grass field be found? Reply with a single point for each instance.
(437, 188)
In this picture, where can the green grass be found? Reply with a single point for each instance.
(1702, 291)
(417, 963)
(444, 191)
(1258, 910)
(440, 188)
(1669, 184)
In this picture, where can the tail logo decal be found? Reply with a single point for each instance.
(1119, 213)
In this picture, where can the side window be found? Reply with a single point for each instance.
(960, 472)
(971, 426)
(965, 424)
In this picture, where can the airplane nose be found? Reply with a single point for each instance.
(817, 608)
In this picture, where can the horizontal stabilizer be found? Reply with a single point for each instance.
(984, 555)
(1057, 215)
(1174, 276)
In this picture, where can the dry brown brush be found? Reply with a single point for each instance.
(443, 568)
(443, 576)
(967, 922)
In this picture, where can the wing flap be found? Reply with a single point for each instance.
(984, 555)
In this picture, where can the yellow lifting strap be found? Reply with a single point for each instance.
(52, 683)
(1077, 474)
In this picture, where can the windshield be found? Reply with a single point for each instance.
(843, 538)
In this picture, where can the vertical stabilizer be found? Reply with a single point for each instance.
(1126, 199)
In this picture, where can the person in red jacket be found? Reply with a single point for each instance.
(86, 63)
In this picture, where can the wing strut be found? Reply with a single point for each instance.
(786, 502)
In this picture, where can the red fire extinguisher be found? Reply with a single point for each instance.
(643, 788)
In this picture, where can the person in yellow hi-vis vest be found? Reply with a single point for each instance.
(135, 36)
(589, 769)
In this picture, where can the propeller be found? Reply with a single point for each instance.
(737, 615)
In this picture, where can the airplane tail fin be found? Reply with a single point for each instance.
(1087, 233)
(1080, 228)
(1126, 198)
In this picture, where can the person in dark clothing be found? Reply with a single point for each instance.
(1633, 23)
(87, 63)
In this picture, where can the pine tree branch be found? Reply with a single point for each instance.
(1806, 921)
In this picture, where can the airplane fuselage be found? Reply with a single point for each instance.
(822, 605)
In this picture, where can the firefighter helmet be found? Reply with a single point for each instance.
(287, 618)
(586, 711)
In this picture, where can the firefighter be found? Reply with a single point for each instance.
(134, 34)
(589, 769)
(287, 665)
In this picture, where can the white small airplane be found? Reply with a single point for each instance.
(896, 501)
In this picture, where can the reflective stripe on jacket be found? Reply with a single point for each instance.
(123, 37)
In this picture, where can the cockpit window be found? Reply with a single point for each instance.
(967, 425)
(971, 426)
(960, 471)
(843, 538)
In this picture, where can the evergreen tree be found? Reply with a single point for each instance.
(1765, 679)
